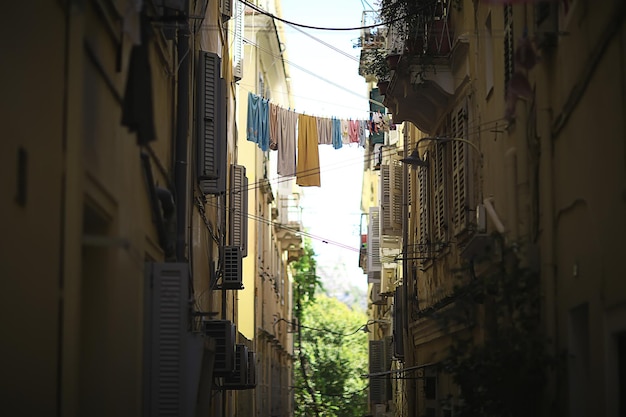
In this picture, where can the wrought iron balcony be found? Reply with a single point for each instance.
(430, 69)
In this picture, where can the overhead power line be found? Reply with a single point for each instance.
(273, 16)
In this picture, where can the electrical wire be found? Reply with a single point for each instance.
(280, 19)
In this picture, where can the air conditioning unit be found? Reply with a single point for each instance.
(373, 277)
(226, 7)
(239, 377)
(244, 373)
(251, 381)
(375, 295)
(224, 333)
(232, 278)
(387, 281)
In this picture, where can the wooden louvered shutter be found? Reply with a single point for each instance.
(459, 172)
(424, 211)
(373, 240)
(440, 235)
(238, 197)
(174, 354)
(385, 200)
(376, 364)
(398, 323)
(211, 125)
(397, 182)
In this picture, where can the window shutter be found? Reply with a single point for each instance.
(238, 41)
(212, 129)
(376, 364)
(373, 240)
(238, 196)
(459, 172)
(391, 181)
(424, 201)
(439, 197)
(385, 200)
(175, 354)
(398, 323)
(397, 182)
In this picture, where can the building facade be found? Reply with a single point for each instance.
(513, 177)
(125, 168)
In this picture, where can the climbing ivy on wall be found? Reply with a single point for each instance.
(506, 375)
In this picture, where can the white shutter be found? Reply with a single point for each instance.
(373, 240)
(238, 41)
(238, 197)
(391, 198)
(385, 200)
(397, 182)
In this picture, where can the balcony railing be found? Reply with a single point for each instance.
(423, 82)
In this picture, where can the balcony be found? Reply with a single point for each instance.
(288, 225)
(432, 66)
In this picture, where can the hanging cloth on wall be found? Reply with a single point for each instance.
(308, 169)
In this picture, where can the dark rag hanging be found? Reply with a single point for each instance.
(137, 112)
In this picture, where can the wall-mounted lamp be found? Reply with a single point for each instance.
(414, 159)
(381, 322)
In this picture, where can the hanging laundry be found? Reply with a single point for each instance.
(273, 121)
(362, 129)
(308, 165)
(287, 125)
(353, 132)
(345, 129)
(254, 118)
(337, 143)
(258, 121)
(325, 130)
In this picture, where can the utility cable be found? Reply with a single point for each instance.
(280, 19)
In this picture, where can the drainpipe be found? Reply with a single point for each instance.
(181, 146)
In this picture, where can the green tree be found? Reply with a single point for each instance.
(330, 346)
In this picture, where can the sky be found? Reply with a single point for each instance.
(325, 82)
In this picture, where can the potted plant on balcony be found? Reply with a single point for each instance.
(376, 65)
